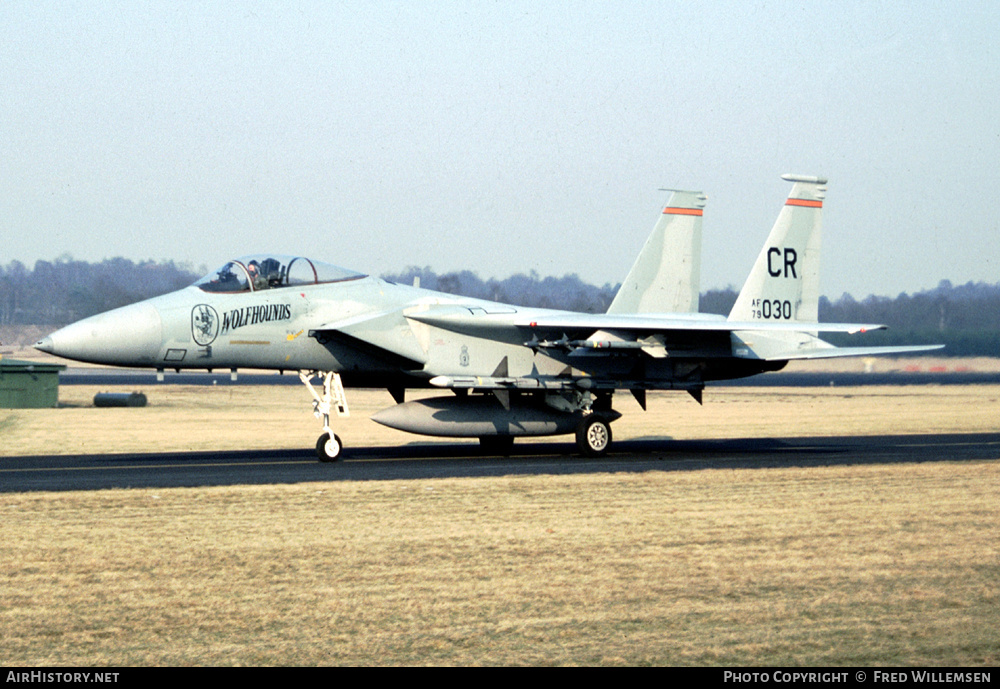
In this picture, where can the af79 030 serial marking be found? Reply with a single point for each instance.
(778, 309)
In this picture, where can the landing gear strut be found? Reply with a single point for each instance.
(329, 446)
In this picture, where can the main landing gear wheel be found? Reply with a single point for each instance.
(593, 436)
(329, 447)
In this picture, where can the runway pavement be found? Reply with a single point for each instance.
(426, 460)
(125, 377)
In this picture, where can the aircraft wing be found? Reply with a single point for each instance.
(460, 319)
(678, 322)
(654, 333)
(390, 333)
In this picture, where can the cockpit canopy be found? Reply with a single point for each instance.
(272, 271)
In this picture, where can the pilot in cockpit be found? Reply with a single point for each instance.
(258, 281)
(272, 271)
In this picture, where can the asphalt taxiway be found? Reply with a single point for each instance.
(126, 377)
(425, 460)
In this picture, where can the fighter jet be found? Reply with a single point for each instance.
(504, 371)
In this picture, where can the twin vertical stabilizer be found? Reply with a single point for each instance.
(784, 282)
(667, 274)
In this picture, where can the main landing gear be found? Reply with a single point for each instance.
(593, 438)
(593, 435)
(593, 418)
(328, 447)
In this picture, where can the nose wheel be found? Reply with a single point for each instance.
(329, 447)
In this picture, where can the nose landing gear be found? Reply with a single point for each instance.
(328, 446)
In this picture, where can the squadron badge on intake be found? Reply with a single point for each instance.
(204, 324)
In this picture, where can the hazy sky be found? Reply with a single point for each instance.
(501, 137)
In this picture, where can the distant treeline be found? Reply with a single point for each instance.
(966, 318)
(62, 291)
(568, 292)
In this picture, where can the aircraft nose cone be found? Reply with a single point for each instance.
(129, 336)
(44, 345)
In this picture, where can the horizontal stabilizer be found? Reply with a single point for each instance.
(837, 352)
(786, 346)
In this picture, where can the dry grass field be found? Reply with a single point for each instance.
(846, 565)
